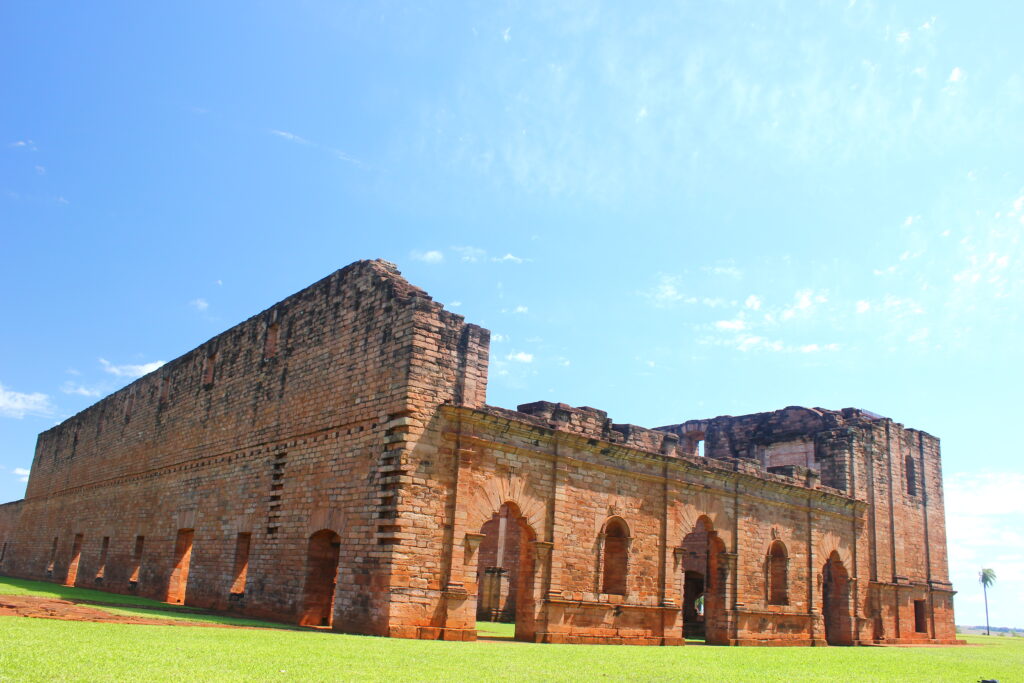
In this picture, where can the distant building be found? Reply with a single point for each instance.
(332, 461)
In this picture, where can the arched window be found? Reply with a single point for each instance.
(616, 557)
(778, 591)
(911, 476)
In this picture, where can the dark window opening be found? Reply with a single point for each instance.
(920, 617)
(911, 476)
(270, 342)
(241, 570)
(616, 557)
(778, 591)
(102, 568)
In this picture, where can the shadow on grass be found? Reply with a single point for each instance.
(130, 605)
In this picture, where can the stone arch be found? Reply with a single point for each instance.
(709, 506)
(616, 539)
(322, 552)
(830, 542)
(489, 498)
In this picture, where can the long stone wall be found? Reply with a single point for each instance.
(332, 461)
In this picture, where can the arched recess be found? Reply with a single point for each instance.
(615, 557)
(321, 577)
(704, 580)
(777, 574)
(505, 570)
(835, 601)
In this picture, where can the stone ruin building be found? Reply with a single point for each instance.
(332, 461)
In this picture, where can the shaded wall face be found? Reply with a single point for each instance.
(276, 441)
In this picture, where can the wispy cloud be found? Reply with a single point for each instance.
(520, 357)
(290, 137)
(507, 258)
(21, 473)
(73, 388)
(130, 371)
(432, 256)
(17, 405)
(299, 140)
(804, 302)
(667, 290)
(723, 269)
(470, 254)
(24, 144)
(199, 304)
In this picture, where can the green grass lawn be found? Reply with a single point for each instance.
(45, 649)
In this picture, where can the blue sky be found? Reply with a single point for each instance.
(691, 210)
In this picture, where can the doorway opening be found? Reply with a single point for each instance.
(178, 582)
(704, 584)
(76, 555)
(835, 602)
(321, 579)
(505, 606)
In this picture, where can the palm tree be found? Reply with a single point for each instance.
(986, 577)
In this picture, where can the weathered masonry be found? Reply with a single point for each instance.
(333, 461)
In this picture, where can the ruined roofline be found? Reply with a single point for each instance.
(402, 290)
(622, 446)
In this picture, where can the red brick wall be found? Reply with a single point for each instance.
(278, 447)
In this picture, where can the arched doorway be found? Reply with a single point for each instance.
(505, 571)
(704, 584)
(835, 601)
(321, 576)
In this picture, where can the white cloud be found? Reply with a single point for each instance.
(564, 362)
(733, 325)
(17, 405)
(454, 304)
(21, 473)
(470, 254)
(131, 371)
(199, 304)
(903, 36)
(667, 291)
(726, 270)
(521, 309)
(506, 35)
(804, 302)
(863, 306)
(28, 144)
(957, 75)
(498, 337)
(984, 518)
(432, 256)
(641, 114)
(78, 389)
(507, 258)
(753, 302)
(520, 357)
(809, 348)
